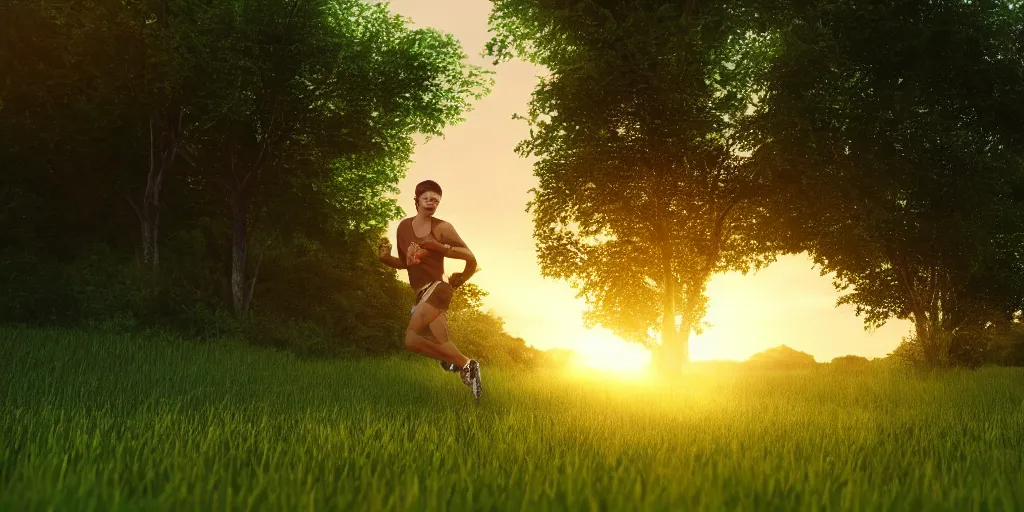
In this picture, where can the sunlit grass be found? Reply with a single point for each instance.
(107, 422)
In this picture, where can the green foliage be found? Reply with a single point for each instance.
(342, 290)
(32, 292)
(851, 362)
(105, 287)
(998, 344)
(1006, 345)
(643, 195)
(219, 130)
(885, 127)
(882, 138)
(314, 103)
(468, 297)
(110, 421)
(97, 285)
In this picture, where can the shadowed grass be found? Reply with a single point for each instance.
(107, 421)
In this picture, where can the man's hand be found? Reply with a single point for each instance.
(459, 278)
(385, 257)
(384, 248)
(415, 254)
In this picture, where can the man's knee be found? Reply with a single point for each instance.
(414, 340)
(411, 341)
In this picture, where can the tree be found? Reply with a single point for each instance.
(62, 94)
(302, 112)
(122, 78)
(165, 69)
(887, 130)
(643, 193)
(306, 88)
(468, 297)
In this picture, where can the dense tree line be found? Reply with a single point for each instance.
(221, 166)
(678, 139)
(215, 166)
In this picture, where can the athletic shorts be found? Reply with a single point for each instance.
(437, 294)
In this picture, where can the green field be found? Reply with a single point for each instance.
(95, 421)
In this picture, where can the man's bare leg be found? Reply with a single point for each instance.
(441, 350)
(439, 335)
(438, 324)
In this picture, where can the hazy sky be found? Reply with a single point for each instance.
(485, 194)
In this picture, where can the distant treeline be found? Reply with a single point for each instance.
(215, 167)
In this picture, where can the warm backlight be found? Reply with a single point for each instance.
(609, 353)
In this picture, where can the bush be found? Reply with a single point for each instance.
(781, 358)
(32, 291)
(908, 353)
(851, 361)
(96, 286)
(965, 348)
(310, 299)
(322, 302)
(481, 335)
(314, 304)
(1006, 344)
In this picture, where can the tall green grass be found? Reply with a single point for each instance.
(94, 421)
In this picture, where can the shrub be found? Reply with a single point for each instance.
(781, 358)
(965, 348)
(851, 362)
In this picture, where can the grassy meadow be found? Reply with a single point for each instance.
(94, 421)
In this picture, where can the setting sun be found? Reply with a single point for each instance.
(604, 351)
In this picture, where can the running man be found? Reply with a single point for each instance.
(423, 243)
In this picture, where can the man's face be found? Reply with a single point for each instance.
(428, 202)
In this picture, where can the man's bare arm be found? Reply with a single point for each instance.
(392, 262)
(457, 249)
(385, 257)
(449, 250)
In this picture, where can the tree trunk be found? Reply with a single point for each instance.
(151, 217)
(166, 146)
(686, 326)
(252, 282)
(239, 233)
(671, 343)
(933, 337)
(684, 344)
(163, 148)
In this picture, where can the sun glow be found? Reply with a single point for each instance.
(603, 351)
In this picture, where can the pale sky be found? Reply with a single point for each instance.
(486, 188)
